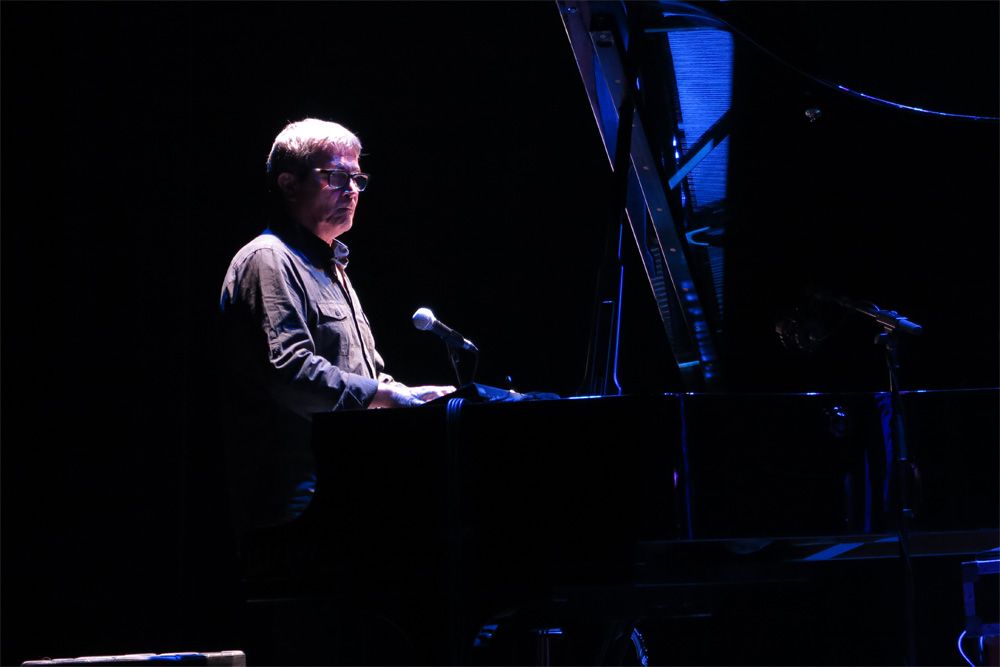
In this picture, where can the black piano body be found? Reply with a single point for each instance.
(443, 520)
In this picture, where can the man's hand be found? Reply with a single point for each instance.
(398, 395)
(430, 392)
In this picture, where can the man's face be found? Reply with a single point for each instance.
(328, 212)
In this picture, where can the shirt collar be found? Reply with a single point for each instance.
(313, 247)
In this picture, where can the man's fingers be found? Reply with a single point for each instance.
(431, 392)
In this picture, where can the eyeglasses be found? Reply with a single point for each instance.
(339, 180)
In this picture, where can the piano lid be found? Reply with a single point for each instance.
(753, 183)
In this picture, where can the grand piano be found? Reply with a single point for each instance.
(701, 514)
(710, 524)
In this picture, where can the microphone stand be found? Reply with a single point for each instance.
(891, 323)
(454, 359)
(904, 513)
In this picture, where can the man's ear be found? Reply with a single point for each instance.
(289, 184)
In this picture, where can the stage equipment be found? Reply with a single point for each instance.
(424, 320)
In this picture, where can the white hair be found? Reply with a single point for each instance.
(299, 144)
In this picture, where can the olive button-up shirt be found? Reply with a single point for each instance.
(297, 342)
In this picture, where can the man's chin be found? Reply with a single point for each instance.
(338, 226)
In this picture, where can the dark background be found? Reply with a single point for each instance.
(134, 138)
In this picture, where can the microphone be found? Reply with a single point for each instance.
(889, 319)
(424, 320)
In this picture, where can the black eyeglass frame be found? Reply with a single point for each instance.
(361, 182)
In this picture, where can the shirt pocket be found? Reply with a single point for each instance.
(333, 331)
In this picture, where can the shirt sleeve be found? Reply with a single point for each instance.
(295, 375)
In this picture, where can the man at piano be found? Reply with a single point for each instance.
(296, 338)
